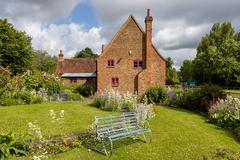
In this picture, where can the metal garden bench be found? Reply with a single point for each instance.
(115, 127)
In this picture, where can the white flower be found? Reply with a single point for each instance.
(62, 113)
(36, 158)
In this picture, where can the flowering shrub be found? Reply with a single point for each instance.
(113, 101)
(144, 112)
(27, 88)
(226, 113)
(196, 99)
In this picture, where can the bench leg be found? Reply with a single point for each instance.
(149, 140)
(107, 147)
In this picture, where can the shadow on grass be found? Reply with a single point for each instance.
(97, 147)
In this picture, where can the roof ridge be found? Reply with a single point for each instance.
(121, 29)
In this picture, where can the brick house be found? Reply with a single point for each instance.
(130, 62)
(76, 70)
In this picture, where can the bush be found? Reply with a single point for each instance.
(197, 99)
(10, 102)
(237, 132)
(156, 94)
(226, 113)
(25, 96)
(113, 101)
(86, 89)
(53, 87)
(74, 97)
(10, 146)
(72, 88)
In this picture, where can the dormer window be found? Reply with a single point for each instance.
(110, 63)
(137, 64)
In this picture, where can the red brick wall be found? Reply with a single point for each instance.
(129, 38)
(80, 80)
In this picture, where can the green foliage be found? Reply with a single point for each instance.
(186, 71)
(86, 90)
(155, 94)
(74, 97)
(198, 100)
(237, 132)
(15, 48)
(218, 59)
(226, 113)
(28, 88)
(10, 146)
(71, 87)
(171, 75)
(43, 62)
(85, 53)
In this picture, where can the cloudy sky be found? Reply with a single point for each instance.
(72, 25)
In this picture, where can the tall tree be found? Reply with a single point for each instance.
(15, 48)
(186, 70)
(172, 76)
(218, 56)
(85, 53)
(42, 61)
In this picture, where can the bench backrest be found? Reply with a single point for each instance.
(113, 124)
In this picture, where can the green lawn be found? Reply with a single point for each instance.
(177, 134)
(232, 91)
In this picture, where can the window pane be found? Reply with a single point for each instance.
(140, 64)
(135, 64)
(111, 63)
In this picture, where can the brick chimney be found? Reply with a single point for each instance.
(61, 56)
(148, 25)
(102, 48)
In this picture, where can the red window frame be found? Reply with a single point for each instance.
(115, 81)
(137, 63)
(110, 63)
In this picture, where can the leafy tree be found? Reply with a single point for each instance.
(186, 70)
(43, 62)
(218, 56)
(172, 76)
(15, 48)
(169, 62)
(85, 53)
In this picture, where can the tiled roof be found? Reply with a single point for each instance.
(77, 65)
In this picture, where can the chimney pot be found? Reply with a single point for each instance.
(102, 48)
(61, 56)
(148, 12)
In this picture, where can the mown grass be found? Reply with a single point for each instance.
(177, 134)
(232, 91)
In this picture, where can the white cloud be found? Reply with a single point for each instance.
(32, 16)
(179, 55)
(68, 37)
(178, 25)
(37, 10)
